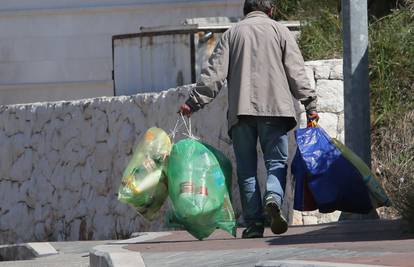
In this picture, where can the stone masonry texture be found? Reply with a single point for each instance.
(61, 162)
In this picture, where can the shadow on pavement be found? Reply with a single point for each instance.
(347, 231)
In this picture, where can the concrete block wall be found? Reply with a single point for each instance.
(61, 162)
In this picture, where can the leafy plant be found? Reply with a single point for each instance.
(321, 38)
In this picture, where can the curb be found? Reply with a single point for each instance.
(27, 251)
(140, 237)
(114, 256)
(296, 263)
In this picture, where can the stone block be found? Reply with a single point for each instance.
(311, 76)
(336, 72)
(330, 95)
(329, 122)
(329, 217)
(322, 72)
(302, 120)
(310, 220)
(341, 128)
(297, 218)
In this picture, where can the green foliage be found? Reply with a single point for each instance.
(303, 9)
(392, 106)
(393, 160)
(392, 66)
(321, 38)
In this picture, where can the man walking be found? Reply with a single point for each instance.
(264, 68)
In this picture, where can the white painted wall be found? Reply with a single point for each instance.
(67, 42)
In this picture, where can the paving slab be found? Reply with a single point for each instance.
(373, 243)
(309, 264)
(360, 242)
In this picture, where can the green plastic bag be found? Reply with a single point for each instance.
(198, 190)
(226, 219)
(144, 184)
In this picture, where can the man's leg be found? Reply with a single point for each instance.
(274, 142)
(244, 136)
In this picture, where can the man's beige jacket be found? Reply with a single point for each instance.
(263, 66)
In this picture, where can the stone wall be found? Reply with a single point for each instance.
(61, 162)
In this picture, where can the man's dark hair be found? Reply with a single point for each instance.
(257, 5)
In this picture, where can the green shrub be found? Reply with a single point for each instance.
(321, 38)
(393, 160)
(392, 106)
(391, 66)
(303, 9)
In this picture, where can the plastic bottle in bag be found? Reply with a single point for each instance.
(144, 184)
(198, 191)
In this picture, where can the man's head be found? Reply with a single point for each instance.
(258, 5)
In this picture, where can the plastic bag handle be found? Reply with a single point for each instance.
(312, 124)
(187, 126)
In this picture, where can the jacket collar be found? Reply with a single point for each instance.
(255, 14)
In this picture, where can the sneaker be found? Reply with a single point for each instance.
(254, 230)
(278, 223)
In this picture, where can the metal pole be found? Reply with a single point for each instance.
(356, 85)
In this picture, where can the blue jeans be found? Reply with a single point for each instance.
(272, 134)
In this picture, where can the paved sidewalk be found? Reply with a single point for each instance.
(364, 242)
(383, 243)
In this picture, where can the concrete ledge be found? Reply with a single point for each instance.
(26, 251)
(114, 256)
(140, 237)
(296, 263)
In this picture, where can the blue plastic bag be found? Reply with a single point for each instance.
(325, 178)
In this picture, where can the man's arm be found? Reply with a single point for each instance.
(295, 71)
(212, 78)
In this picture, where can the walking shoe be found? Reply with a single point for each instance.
(278, 223)
(254, 230)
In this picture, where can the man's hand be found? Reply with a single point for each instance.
(312, 117)
(185, 110)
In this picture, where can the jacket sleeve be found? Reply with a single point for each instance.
(294, 66)
(213, 76)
